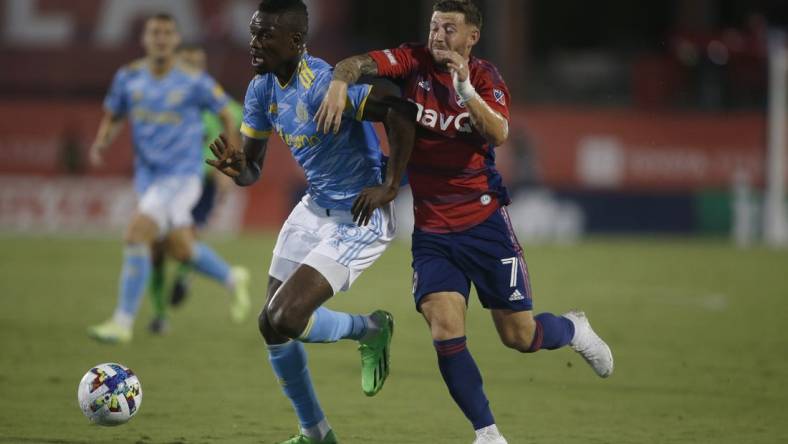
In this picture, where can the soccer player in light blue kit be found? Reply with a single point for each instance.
(342, 224)
(164, 101)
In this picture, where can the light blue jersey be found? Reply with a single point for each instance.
(166, 118)
(337, 166)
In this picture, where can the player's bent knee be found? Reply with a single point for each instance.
(181, 253)
(267, 331)
(284, 321)
(142, 230)
(445, 315)
(136, 236)
(262, 323)
(264, 326)
(444, 328)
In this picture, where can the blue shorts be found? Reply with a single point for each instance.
(202, 210)
(487, 254)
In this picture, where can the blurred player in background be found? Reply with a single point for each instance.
(343, 223)
(163, 100)
(463, 233)
(214, 187)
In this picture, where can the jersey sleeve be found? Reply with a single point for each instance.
(116, 100)
(211, 95)
(256, 124)
(395, 62)
(357, 95)
(492, 89)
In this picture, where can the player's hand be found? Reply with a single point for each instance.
(96, 155)
(454, 61)
(329, 115)
(229, 160)
(369, 200)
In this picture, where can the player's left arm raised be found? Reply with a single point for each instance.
(399, 117)
(490, 123)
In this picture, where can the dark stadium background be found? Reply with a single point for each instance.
(637, 162)
(631, 116)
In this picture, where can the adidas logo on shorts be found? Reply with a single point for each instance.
(516, 296)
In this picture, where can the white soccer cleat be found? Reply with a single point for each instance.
(489, 435)
(589, 345)
(484, 439)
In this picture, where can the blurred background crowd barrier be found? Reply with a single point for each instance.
(628, 117)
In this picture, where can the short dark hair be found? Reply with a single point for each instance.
(296, 7)
(164, 17)
(473, 16)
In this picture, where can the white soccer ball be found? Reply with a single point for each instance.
(109, 394)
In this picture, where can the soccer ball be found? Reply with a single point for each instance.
(109, 394)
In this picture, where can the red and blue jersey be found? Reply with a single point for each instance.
(452, 168)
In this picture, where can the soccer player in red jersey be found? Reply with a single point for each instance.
(462, 229)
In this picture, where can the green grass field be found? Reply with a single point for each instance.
(697, 329)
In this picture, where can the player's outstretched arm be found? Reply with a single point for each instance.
(109, 128)
(399, 117)
(242, 165)
(347, 72)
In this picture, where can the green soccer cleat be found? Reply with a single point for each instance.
(239, 306)
(303, 439)
(110, 332)
(375, 356)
